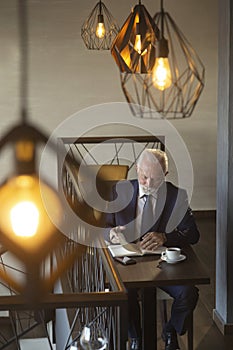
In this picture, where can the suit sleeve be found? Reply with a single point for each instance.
(122, 203)
(181, 229)
(111, 219)
(109, 223)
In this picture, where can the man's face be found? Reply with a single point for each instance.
(150, 176)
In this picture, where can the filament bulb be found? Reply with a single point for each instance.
(161, 74)
(100, 28)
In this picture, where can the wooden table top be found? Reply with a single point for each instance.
(145, 272)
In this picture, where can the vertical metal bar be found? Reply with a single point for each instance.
(122, 336)
(45, 329)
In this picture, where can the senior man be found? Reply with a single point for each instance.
(156, 213)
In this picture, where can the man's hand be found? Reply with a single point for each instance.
(152, 240)
(116, 236)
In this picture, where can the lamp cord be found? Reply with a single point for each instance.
(100, 7)
(23, 43)
(162, 18)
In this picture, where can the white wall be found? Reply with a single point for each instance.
(65, 77)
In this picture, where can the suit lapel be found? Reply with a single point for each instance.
(160, 206)
(132, 209)
(131, 213)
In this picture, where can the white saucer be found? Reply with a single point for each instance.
(181, 258)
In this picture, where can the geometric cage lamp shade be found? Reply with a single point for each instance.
(99, 29)
(134, 47)
(187, 71)
(187, 74)
(31, 215)
(27, 229)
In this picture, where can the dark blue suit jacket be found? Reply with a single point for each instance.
(172, 216)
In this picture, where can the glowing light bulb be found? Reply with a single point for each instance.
(100, 28)
(24, 218)
(161, 74)
(138, 41)
(138, 44)
(27, 204)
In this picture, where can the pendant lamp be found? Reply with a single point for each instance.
(173, 82)
(186, 70)
(100, 28)
(135, 45)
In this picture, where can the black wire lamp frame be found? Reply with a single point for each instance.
(100, 13)
(187, 72)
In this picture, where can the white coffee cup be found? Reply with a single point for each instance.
(172, 253)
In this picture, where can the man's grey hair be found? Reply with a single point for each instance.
(154, 155)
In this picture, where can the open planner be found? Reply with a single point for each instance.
(131, 249)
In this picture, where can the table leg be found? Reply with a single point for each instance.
(149, 324)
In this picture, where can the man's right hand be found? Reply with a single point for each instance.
(116, 236)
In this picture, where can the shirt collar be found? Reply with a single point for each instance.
(142, 193)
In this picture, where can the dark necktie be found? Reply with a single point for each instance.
(147, 215)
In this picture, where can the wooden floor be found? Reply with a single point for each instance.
(206, 334)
